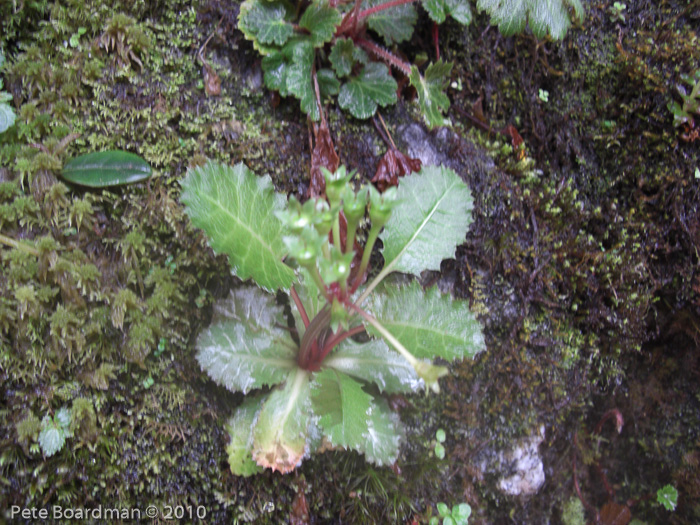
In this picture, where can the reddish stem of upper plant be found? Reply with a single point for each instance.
(382, 7)
(384, 55)
(300, 307)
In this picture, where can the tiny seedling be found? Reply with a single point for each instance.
(54, 431)
(457, 515)
(617, 11)
(668, 497)
(439, 444)
(543, 95)
(326, 383)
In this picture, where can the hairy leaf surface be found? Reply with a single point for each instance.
(439, 10)
(430, 88)
(394, 25)
(342, 406)
(236, 210)
(373, 86)
(374, 362)
(265, 22)
(240, 430)
(282, 430)
(245, 347)
(429, 324)
(383, 436)
(7, 113)
(432, 217)
(320, 20)
(544, 16)
(341, 56)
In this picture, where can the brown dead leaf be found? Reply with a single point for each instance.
(393, 165)
(323, 156)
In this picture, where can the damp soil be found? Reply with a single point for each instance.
(581, 263)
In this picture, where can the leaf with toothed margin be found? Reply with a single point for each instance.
(236, 209)
(428, 323)
(374, 362)
(430, 220)
(245, 347)
(282, 431)
(361, 94)
(394, 25)
(265, 23)
(320, 20)
(439, 10)
(342, 407)
(240, 431)
(384, 433)
(544, 16)
(430, 88)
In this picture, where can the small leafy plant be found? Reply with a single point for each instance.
(457, 515)
(440, 444)
(324, 49)
(667, 496)
(7, 113)
(690, 102)
(54, 431)
(326, 383)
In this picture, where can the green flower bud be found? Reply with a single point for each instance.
(336, 269)
(430, 373)
(335, 184)
(381, 205)
(296, 217)
(339, 316)
(354, 204)
(305, 247)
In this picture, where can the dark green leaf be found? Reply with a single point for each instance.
(439, 10)
(429, 324)
(374, 86)
(342, 56)
(430, 89)
(236, 210)
(245, 347)
(320, 20)
(342, 406)
(265, 22)
(328, 84)
(394, 25)
(106, 168)
(544, 16)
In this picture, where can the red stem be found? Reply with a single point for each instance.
(300, 307)
(384, 55)
(339, 338)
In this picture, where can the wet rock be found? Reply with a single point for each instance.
(522, 467)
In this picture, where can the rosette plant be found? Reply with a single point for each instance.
(319, 383)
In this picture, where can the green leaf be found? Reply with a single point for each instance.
(320, 20)
(343, 408)
(52, 436)
(430, 89)
(440, 435)
(429, 324)
(236, 210)
(384, 433)
(544, 16)
(443, 509)
(668, 497)
(276, 65)
(106, 168)
(394, 25)
(374, 86)
(342, 56)
(461, 513)
(328, 84)
(246, 347)
(240, 430)
(431, 218)
(7, 114)
(265, 22)
(374, 362)
(282, 429)
(439, 10)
